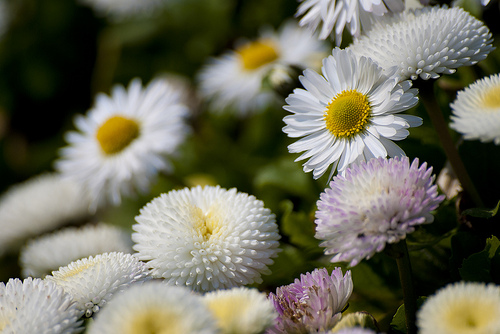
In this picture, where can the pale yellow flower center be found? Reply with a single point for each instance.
(228, 311)
(66, 273)
(471, 318)
(256, 54)
(492, 98)
(117, 133)
(206, 224)
(347, 114)
(155, 322)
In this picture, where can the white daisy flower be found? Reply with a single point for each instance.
(37, 306)
(93, 281)
(461, 308)
(154, 307)
(39, 205)
(42, 255)
(426, 42)
(331, 17)
(207, 238)
(124, 141)
(241, 310)
(235, 79)
(348, 114)
(122, 9)
(476, 110)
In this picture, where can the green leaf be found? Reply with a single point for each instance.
(299, 227)
(398, 323)
(482, 213)
(478, 267)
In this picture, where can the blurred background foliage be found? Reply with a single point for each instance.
(57, 54)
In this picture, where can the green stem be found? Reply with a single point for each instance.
(405, 275)
(428, 98)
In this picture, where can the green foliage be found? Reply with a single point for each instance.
(483, 266)
(398, 324)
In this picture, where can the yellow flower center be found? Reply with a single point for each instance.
(155, 322)
(66, 273)
(347, 114)
(256, 54)
(228, 311)
(207, 224)
(492, 98)
(117, 133)
(470, 317)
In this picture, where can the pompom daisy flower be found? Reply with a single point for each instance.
(154, 307)
(331, 17)
(375, 203)
(476, 110)
(461, 308)
(93, 281)
(240, 310)
(207, 238)
(26, 209)
(42, 255)
(235, 79)
(312, 303)
(426, 42)
(37, 306)
(348, 114)
(122, 9)
(124, 141)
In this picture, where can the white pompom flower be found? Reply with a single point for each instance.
(426, 42)
(37, 306)
(207, 238)
(93, 281)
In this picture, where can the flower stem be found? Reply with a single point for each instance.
(428, 98)
(400, 252)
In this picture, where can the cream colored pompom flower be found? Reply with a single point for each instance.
(154, 307)
(42, 255)
(476, 110)
(426, 42)
(461, 308)
(235, 79)
(37, 306)
(241, 310)
(93, 281)
(349, 114)
(207, 238)
(122, 9)
(125, 140)
(40, 204)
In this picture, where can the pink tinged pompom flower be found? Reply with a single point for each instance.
(375, 203)
(312, 303)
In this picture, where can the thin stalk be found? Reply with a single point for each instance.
(428, 98)
(405, 276)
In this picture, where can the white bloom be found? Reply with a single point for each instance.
(122, 9)
(235, 78)
(461, 308)
(241, 310)
(331, 17)
(207, 238)
(124, 141)
(348, 114)
(37, 306)
(154, 307)
(476, 110)
(426, 42)
(49, 252)
(39, 205)
(93, 281)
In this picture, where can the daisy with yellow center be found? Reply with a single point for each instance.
(462, 308)
(235, 79)
(476, 110)
(125, 141)
(154, 307)
(348, 114)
